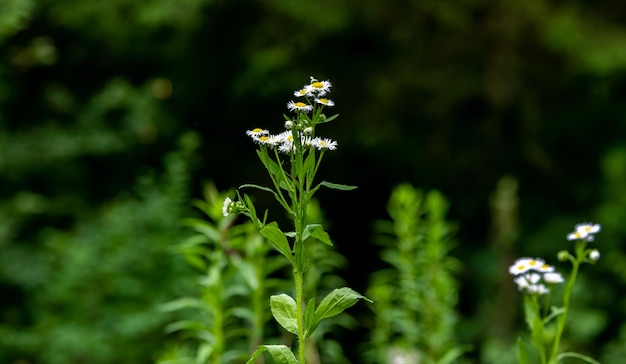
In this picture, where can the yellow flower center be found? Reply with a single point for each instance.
(324, 101)
(264, 138)
(257, 130)
(532, 262)
(317, 85)
(300, 104)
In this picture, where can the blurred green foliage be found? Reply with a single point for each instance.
(416, 295)
(97, 167)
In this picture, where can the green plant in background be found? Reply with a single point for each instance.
(236, 267)
(416, 295)
(292, 159)
(94, 288)
(535, 278)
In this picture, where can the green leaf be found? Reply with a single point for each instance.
(269, 163)
(554, 312)
(272, 233)
(280, 353)
(337, 186)
(309, 316)
(262, 188)
(284, 311)
(577, 356)
(456, 352)
(521, 352)
(316, 231)
(335, 303)
(330, 118)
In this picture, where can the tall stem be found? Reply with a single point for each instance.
(299, 281)
(567, 294)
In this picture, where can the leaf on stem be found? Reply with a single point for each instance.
(576, 355)
(309, 316)
(337, 186)
(335, 303)
(316, 231)
(269, 163)
(325, 120)
(284, 311)
(280, 353)
(272, 233)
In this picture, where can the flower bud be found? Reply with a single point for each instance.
(594, 255)
(563, 255)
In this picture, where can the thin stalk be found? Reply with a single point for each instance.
(567, 294)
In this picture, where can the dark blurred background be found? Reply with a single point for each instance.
(114, 114)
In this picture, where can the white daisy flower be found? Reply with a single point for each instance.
(523, 265)
(553, 278)
(584, 231)
(325, 143)
(325, 102)
(299, 106)
(319, 88)
(537, 289)
(301, 92)
(257, 132)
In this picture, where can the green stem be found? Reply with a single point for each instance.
(299, 281)
(567, 294)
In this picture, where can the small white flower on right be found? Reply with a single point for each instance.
(594, 255)
(325, 143)
(584, 231)
(325, 102)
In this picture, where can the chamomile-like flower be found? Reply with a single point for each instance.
(325, 102)
(325, 143)
(301, 92)
(257, 132)
(319, 88)
(299, 106)
(523, 265)
(584, 231)
(553, 278)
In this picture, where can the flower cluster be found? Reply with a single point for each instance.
(285, 140)
(533, 275)
(301, 129)
(232, 207)
(585, 231)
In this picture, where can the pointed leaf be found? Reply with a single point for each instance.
(337, 186)
(577, 356)
(272, 233)
(262, 188)
(316, 231)
(309, 317)
(284, 311)
(335, 303)
(280, 353)
(268, 162)
(330, 118)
